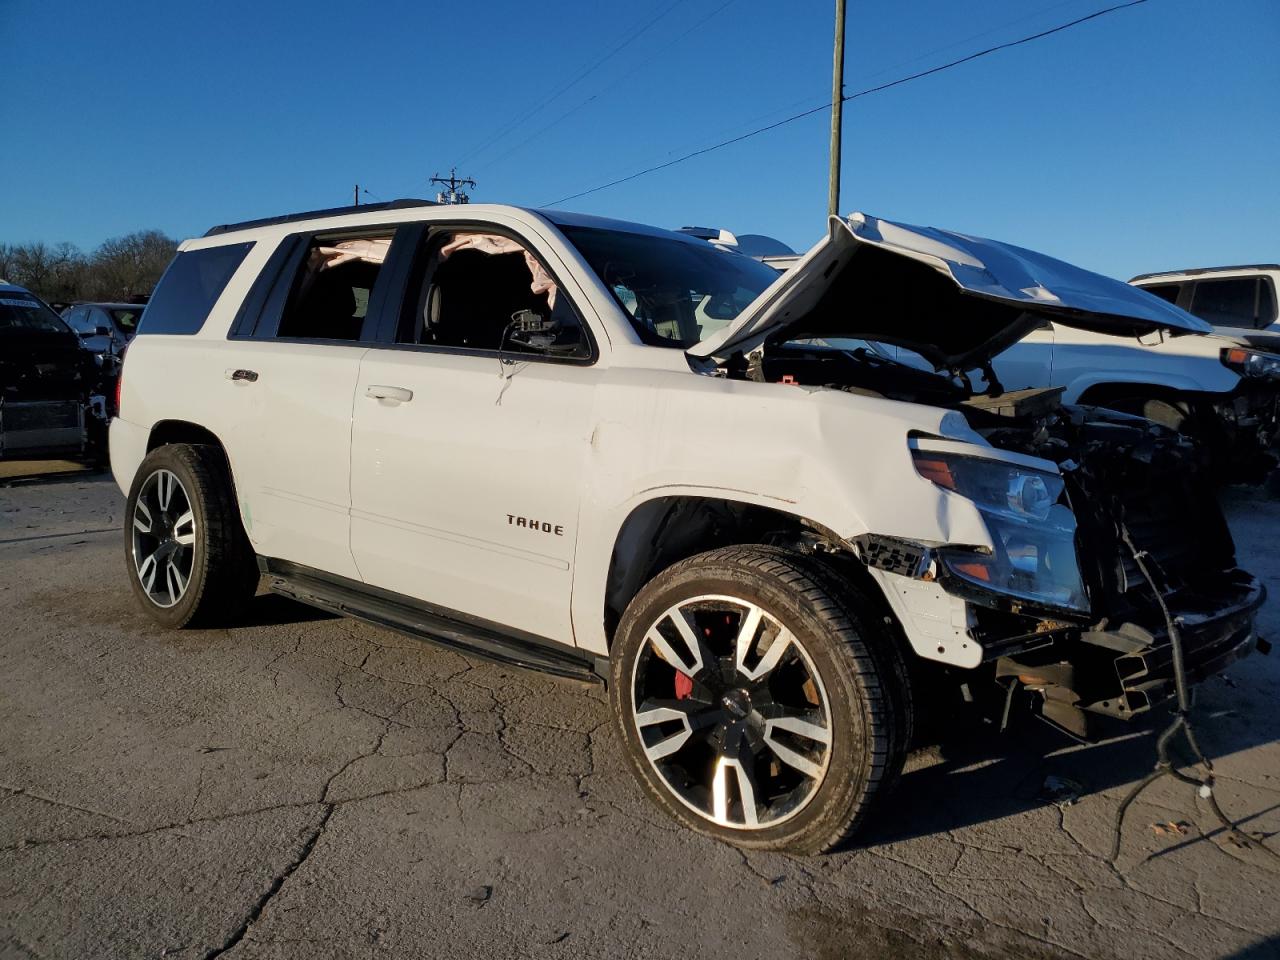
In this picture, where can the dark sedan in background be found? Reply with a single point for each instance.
(51, 386)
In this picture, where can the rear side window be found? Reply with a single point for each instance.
(1234, 302)
(190, 287)
(330, 296)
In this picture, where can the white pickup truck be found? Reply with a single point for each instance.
(614, 452)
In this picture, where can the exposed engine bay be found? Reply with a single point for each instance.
(1138, 491)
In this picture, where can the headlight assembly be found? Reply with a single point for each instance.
(1252, 363)
(1034, 534)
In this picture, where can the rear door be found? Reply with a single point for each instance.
(468, 461)
(297, 361)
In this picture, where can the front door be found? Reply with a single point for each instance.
(467, 461)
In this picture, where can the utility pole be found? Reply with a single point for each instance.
(837, 114)
(357, 194)
(453, 182)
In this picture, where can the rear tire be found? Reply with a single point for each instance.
(1167, 413)
(190, 563)
(812, 735)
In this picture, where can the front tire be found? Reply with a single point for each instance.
(758, 700)
(190, 563)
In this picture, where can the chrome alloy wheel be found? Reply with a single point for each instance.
(731, 712)
(164, 537)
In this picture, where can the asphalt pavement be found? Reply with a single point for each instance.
(304, 786)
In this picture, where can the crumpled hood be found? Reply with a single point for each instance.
(956, 300)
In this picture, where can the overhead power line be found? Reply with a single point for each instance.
(609, 86)
(805, 102)
(853, 96)
(631, 37)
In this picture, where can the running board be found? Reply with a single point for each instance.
(407, 616)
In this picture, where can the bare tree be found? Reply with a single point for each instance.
(7, 255)
(131, 265)
(121, 268)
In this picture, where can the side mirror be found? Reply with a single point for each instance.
(546, 336)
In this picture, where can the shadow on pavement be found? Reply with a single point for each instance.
(1267, 949)
(273, 610)
(984, 775)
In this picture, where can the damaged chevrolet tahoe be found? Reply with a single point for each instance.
(610, 451)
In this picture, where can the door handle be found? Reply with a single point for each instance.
(248, 376)
(394, 394)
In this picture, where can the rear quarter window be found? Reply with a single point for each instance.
(190, 287)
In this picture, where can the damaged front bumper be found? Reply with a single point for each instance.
(1125, 669)
(1120, 667)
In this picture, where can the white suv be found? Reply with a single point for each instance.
(611, 451)
(1235, 298)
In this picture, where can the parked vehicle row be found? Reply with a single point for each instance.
(612, 451)
(53, 391)
(104, 328)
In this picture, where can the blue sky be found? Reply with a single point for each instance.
(1146, 139)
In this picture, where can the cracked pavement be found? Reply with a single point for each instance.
(306, 786)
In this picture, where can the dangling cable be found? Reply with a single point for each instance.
(1181, 724)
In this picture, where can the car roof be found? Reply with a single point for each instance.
(109, 305)
(319, 218)
(1200, 271)
(13, 288)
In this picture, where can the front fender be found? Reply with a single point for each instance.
(835, 459)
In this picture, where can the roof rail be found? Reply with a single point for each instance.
(1200, 271)
(401, 204)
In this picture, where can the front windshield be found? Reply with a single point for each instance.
(676, 292)
(21, 311)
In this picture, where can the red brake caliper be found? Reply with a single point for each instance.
(684, 686)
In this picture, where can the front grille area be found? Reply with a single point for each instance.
(1168, 512)
(40, 416)
(30, 427)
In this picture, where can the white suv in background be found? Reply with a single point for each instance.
(1236, 298)
(614, 452)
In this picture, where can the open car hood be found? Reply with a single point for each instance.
(956, 300)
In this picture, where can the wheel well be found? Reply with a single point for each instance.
(181, 431)
(664, 531)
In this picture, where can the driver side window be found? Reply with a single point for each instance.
(477, 290)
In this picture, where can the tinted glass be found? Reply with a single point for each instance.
(78, 318)
(1267, 313)
(190, 287)
(23, 312)
(1229, 303)
(1165, 291)
(676, 292)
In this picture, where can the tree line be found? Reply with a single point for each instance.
(120, 269)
